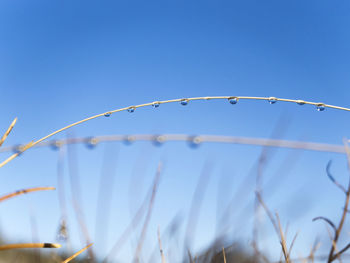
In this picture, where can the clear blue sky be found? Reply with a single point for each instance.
(63, 61)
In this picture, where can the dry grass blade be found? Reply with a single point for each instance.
(77, 254)
(3, 138)
(160, 246)
(35, 236)
(108, 113)
(331, 177)
(83, 227)
(347, 151)
(313, 250)
(25, 191)
(190, 256)
(132, 225)
(223, 253)
(196, 203)
(326, 220)
(319, 258)
(337, 255)
(148, 215)
(76, 197)
(283, 240)
(269, 214)
(105, 196)
(29, 245)
(278, 228)
(334, 243)
(292, 244)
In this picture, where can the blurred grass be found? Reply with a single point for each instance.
(220, 250)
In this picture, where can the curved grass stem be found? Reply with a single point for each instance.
(300, 102)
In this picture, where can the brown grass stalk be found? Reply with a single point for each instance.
(283, 240)
(160, 247)
(332, 255)
(77, 254)
(25, 191)
(148, 215)
(190, 256)
(9, 129)
(278, 228)
(83, 228)
(313, 250)
(196, 203)
(29, 245)
(132, 225)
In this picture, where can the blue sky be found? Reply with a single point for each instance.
(63, 61)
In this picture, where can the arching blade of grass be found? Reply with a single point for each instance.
(237, 98)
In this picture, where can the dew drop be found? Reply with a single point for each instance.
(272, 100)
(62, 233)
(155, 104)
(194, 141)
(233, 100)
(18, 149)
(321, 107)
(107, 114)
(131, 109)
(184, 102)
(158, 140)
(129, 139)
(55, 145)
(91, 142)
(300, 102)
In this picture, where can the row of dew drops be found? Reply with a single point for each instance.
(232, 100)
(195, 140)
(92, 142)
(273, 100)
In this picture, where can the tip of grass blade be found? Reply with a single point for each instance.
(9, 129)
(51, 245)
(77, 254)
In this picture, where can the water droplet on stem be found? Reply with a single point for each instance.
(155, 104)
(131, 109)
(233, 100)
(184, 102)
(272, 100)
(321, 107)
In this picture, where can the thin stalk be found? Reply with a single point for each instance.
(77, 254)
(29, 245)
(108, 113)
(9, 129)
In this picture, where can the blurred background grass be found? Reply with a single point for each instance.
(63, 61)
